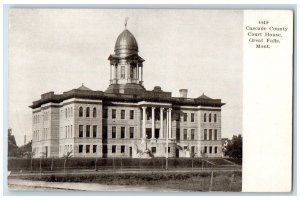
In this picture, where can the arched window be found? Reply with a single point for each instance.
(87, 112)
(80, 112)
(66, 110)
(71, 111)
(215, 117)
(209, 117)
(94, 112)
(204, 117)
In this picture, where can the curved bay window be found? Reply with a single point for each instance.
(87, 112)
(80, 112)
(94, 112)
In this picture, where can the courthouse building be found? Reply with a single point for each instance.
(127, 119)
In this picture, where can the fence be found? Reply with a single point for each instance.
(59, 164)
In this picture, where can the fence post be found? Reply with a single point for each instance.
(211, 181)
(96, 169)
(192, 164)
(114, 163)
(40, 165)
(52, 164)
(231, 181)
(31, 164)
(121, 164)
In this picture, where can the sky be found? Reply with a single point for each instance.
(59, 49)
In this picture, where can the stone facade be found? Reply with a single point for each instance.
(126, 120)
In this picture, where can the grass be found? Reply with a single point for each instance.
(187, 181)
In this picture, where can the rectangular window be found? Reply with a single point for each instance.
(113, 113)
(113, 148)
(205, 149)
(132, 114)
(192, 134)
(131, 132)
(122, 149)
(185, 134)
(87, 148)
(184, 117)
(205, 134)
(94, 131)
(192, 117)
(105, 113)
(113, 132)
(210, 149)
(153, 149)
(210, 134)
(87, 131)
(122, 114)
(185, 147)
(216, 134)
(123, 72)
(216, 149)
(80, 148)
(80, 130)
(169, 149)
(122, 132)
(94, 148)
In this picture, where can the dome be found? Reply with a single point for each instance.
(126, 44)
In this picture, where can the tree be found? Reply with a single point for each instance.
(235, 147)
(12, 145)
(66, 157)
(24, 150)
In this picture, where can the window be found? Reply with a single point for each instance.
(131, 132)
(71, 130)
(205, 134)
(132, 114)
(215, 117)
(185, 147)
(216, 134)
(192, 134)
(123, 72)
(87, 148)
(210, 149)
(153, 149)
(66, 131)
(104, 114)
(87, 112)
(184, 117)
(185, 134)
(80, 112)
(80, 149)
(113, 115)
(210, 134)
(122, 149)
(94, 131)
(122, 132)
(113, 148)
(122, 114)
(204, 119)
(80, 130)
(209, 117)
(94, 148)
(113, 132)
(71, 112)
(66, 112)
(216, 149)
(192, 117)
(94, 112)
(205, 149)
(169, 149)
(87, 131)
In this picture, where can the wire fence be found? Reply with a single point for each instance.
(98, 164)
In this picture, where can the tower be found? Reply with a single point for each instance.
(126, 66)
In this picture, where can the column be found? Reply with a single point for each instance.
(153, 121)
(167, 133)
(144, 122)
(161, 132)
(110, 72)
(170, 123)
(116, 71)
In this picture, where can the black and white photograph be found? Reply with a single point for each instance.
(129, 100)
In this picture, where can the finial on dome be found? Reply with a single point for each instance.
(126, 19)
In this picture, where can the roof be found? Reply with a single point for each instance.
(203, 96)
(82, 87)
(126, 43)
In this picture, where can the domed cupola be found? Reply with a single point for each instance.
(126, 66)
(126, 44)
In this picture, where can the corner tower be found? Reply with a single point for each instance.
(126, 66)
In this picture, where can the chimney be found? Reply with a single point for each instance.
(183, 93)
